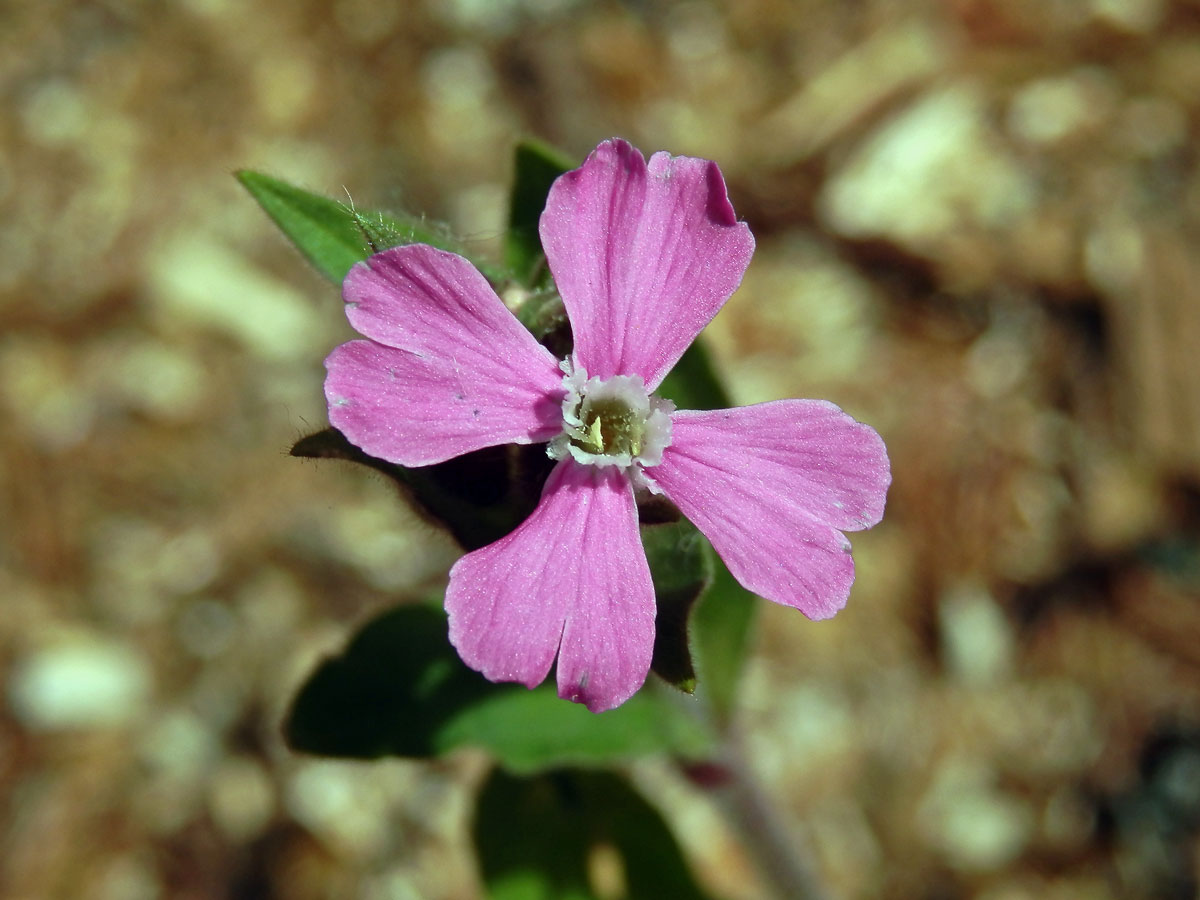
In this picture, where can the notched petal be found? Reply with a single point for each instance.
(572, 578)
(773, 486)
(643, 255)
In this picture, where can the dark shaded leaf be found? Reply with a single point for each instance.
(537, 837)
(536, 165)
(693, 383)
(681, 569)
(478, 497)
(391, 692)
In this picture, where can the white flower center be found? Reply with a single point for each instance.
(611, 422)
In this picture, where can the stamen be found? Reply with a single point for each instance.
(611, 422)
(593, 441)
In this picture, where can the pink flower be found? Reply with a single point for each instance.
(643, 255)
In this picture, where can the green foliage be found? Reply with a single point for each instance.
(543, 838)
(534, 730)
(681, 569)
(323, 230)
(400, 689)
(693, 383)
(722, 624)
(391, 692)
(535, 167)
(334, 236)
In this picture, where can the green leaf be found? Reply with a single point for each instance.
(391, 692)
(681, 569)
(478, 497)
(571, 834)
(536, 165)
(693, 383)
(324, 230)
(400, 689)
(332, 235)
(533, 730)
(721, 629)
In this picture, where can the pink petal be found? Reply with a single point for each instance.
(574, 572)
(448, 370)
(772, 486)
(644, 256)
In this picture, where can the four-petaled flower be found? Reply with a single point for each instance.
(643, 256)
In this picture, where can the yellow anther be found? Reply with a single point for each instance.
(594, 438)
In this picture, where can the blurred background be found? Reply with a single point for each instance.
(976, 226)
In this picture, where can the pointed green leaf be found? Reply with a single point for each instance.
(322, 229)
(400, 689)
(536, 165)
(332, 235)
(537, 839)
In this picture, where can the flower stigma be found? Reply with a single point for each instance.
(612, 422)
